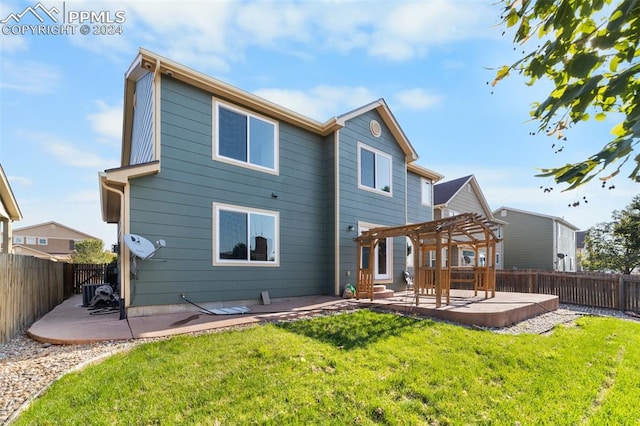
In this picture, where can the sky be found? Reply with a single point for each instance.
(61, 91)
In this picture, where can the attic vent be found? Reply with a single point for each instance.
(375, 128)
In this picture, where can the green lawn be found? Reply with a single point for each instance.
(361, 368)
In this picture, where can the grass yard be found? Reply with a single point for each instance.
(360, 368)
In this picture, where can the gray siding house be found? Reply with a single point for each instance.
(537, 241)
(250, 196)
(9, 212)
(463, 195)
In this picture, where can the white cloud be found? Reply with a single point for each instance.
(12, 44)
(417, 99)
(320, 102)
(76, 157)
(409, 29)
(67, 153)
(20, 180)
(216, 34)
(29, 76)
(107, 122)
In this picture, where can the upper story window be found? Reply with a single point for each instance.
(43, 241)
(374, 170)
(244, 138)
(18, 239)
(427, 192)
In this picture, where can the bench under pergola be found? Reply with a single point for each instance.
(468, 230)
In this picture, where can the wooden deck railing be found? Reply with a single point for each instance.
(614, 291)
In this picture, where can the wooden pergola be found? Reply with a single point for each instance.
(467, 230)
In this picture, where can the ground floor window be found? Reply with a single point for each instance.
(245, 236)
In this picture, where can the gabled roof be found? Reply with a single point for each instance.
(8, 201)
(445, 191)
(149, 62)
(387, 116)
(30, 251)
(24, 230)
(554, 218)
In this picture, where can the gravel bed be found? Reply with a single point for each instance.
(28, 367)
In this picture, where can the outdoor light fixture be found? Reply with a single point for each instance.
(351, 228)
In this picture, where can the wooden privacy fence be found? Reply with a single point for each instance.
(613, 291)
(30, 287)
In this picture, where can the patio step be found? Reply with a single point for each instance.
(379, 292)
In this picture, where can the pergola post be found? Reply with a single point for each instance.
(417, 266)
(438, 269)
(487, 262)
(449, 265)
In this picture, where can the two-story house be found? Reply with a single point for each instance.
(49, 240)
(249, 196)
(9, 212)
(463, 195)
(537, 241)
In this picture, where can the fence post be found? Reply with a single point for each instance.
(621, 293)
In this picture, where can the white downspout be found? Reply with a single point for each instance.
(124, 250)
(336, 209)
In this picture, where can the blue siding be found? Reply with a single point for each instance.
(176, 205)
(416, 212)
(142, 135)
(365, 206)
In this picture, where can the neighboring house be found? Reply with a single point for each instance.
(249, 196)
(537, 241)
(581, 252)
(463, 195)
(9, 213)
(50, 240)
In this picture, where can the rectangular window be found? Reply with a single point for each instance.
(375, 170)
(244, 138)
(31, 241)
(427, 192)
(42, 241)
(245, 236)
(18, 239)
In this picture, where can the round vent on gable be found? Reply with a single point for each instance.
(375, 128)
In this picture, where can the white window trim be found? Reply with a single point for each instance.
(33, 239)
(244, 263)
(424, 181)
(18, 239)
(388, 277)
(383, 154)
(276, 139)
(45, 239)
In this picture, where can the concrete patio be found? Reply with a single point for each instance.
(70, 323)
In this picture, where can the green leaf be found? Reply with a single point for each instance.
(502, 73)
(613, 64)
(582, 64)
(618, 130)
(512, 17)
